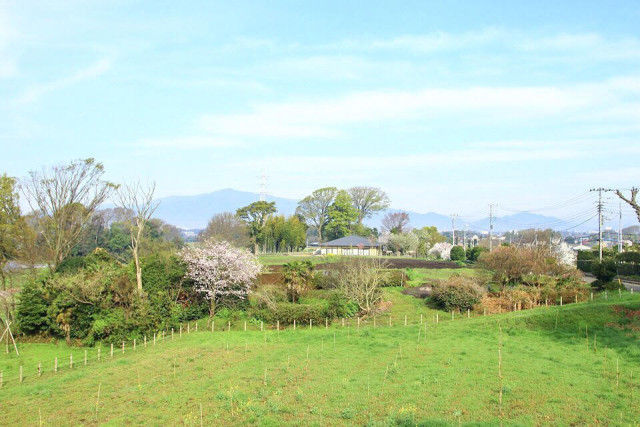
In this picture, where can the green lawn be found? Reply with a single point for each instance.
(344, 376)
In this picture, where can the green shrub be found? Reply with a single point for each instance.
(32, 310)
(324, 279)
(338, 306)
(457, 293)
(457, 253)
(605, 270)
(394, 278)
(474, 253)
(286, 313)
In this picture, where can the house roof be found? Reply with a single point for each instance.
(351, 241)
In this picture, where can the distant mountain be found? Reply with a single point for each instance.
(521, 221)
(196, 211)
(634, 229)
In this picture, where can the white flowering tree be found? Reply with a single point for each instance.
(220, 270)
(441, 250)
(564, 254)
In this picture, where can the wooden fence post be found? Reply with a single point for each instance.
(71, 361)
(245, 325)
(180, 330)
(55, 365)
(134, 344)
(188, 327)
(145, 341)
(420, 319)
(437, 317)
(154, 340)
(213, 326)
(111, 349)
(122, 347)
(452, 315)
(343, 322)
(39, 369)
(468, 314)
(85, 358)
(326, 323)
(278, 325)
(294, 324)
(98, 354)
(310, 323)
(229, 326)
(261, 326)
(560, 300)
(163, 335)
(405, 320)
(196, 326)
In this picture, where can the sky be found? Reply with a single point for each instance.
(448, 106)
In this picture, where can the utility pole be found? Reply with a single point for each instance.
(491, 227)
(464, 237)
(620, 229)
(600, 220)
(453, 229)
(263, 186)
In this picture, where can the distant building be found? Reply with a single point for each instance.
(350, 245)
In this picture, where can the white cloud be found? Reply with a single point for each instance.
(35, 92)
(326, 117)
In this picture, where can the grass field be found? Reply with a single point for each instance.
(552, 374)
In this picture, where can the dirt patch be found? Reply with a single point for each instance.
(273, 278)
(626, 312)
(422, 291)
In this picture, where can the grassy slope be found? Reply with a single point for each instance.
(368, 375)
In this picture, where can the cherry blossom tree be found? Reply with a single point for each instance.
(441, 250)
(220, 270)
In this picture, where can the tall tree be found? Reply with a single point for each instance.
(9, 219)
(255, 215)
(64, 199)
(368, 200)
(138, 200)
(315, 208)
(227, 226)
(342, 216)
(395, 222)
(631, 200)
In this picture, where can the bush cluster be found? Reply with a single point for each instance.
(457, 293)
(94, 298)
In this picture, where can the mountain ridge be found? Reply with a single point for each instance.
(194, 212)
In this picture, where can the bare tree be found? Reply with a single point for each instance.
(228, 227)
(395, 222)
(368, 200)
(64, 198)
(360, 279)
(138, 200)
(632, 200)
(315, 208)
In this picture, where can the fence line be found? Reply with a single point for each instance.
(341, 323)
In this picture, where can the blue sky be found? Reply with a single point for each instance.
(448, 106)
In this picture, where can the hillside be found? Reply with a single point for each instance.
(555, 371)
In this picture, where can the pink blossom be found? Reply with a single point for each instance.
(221, 270)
